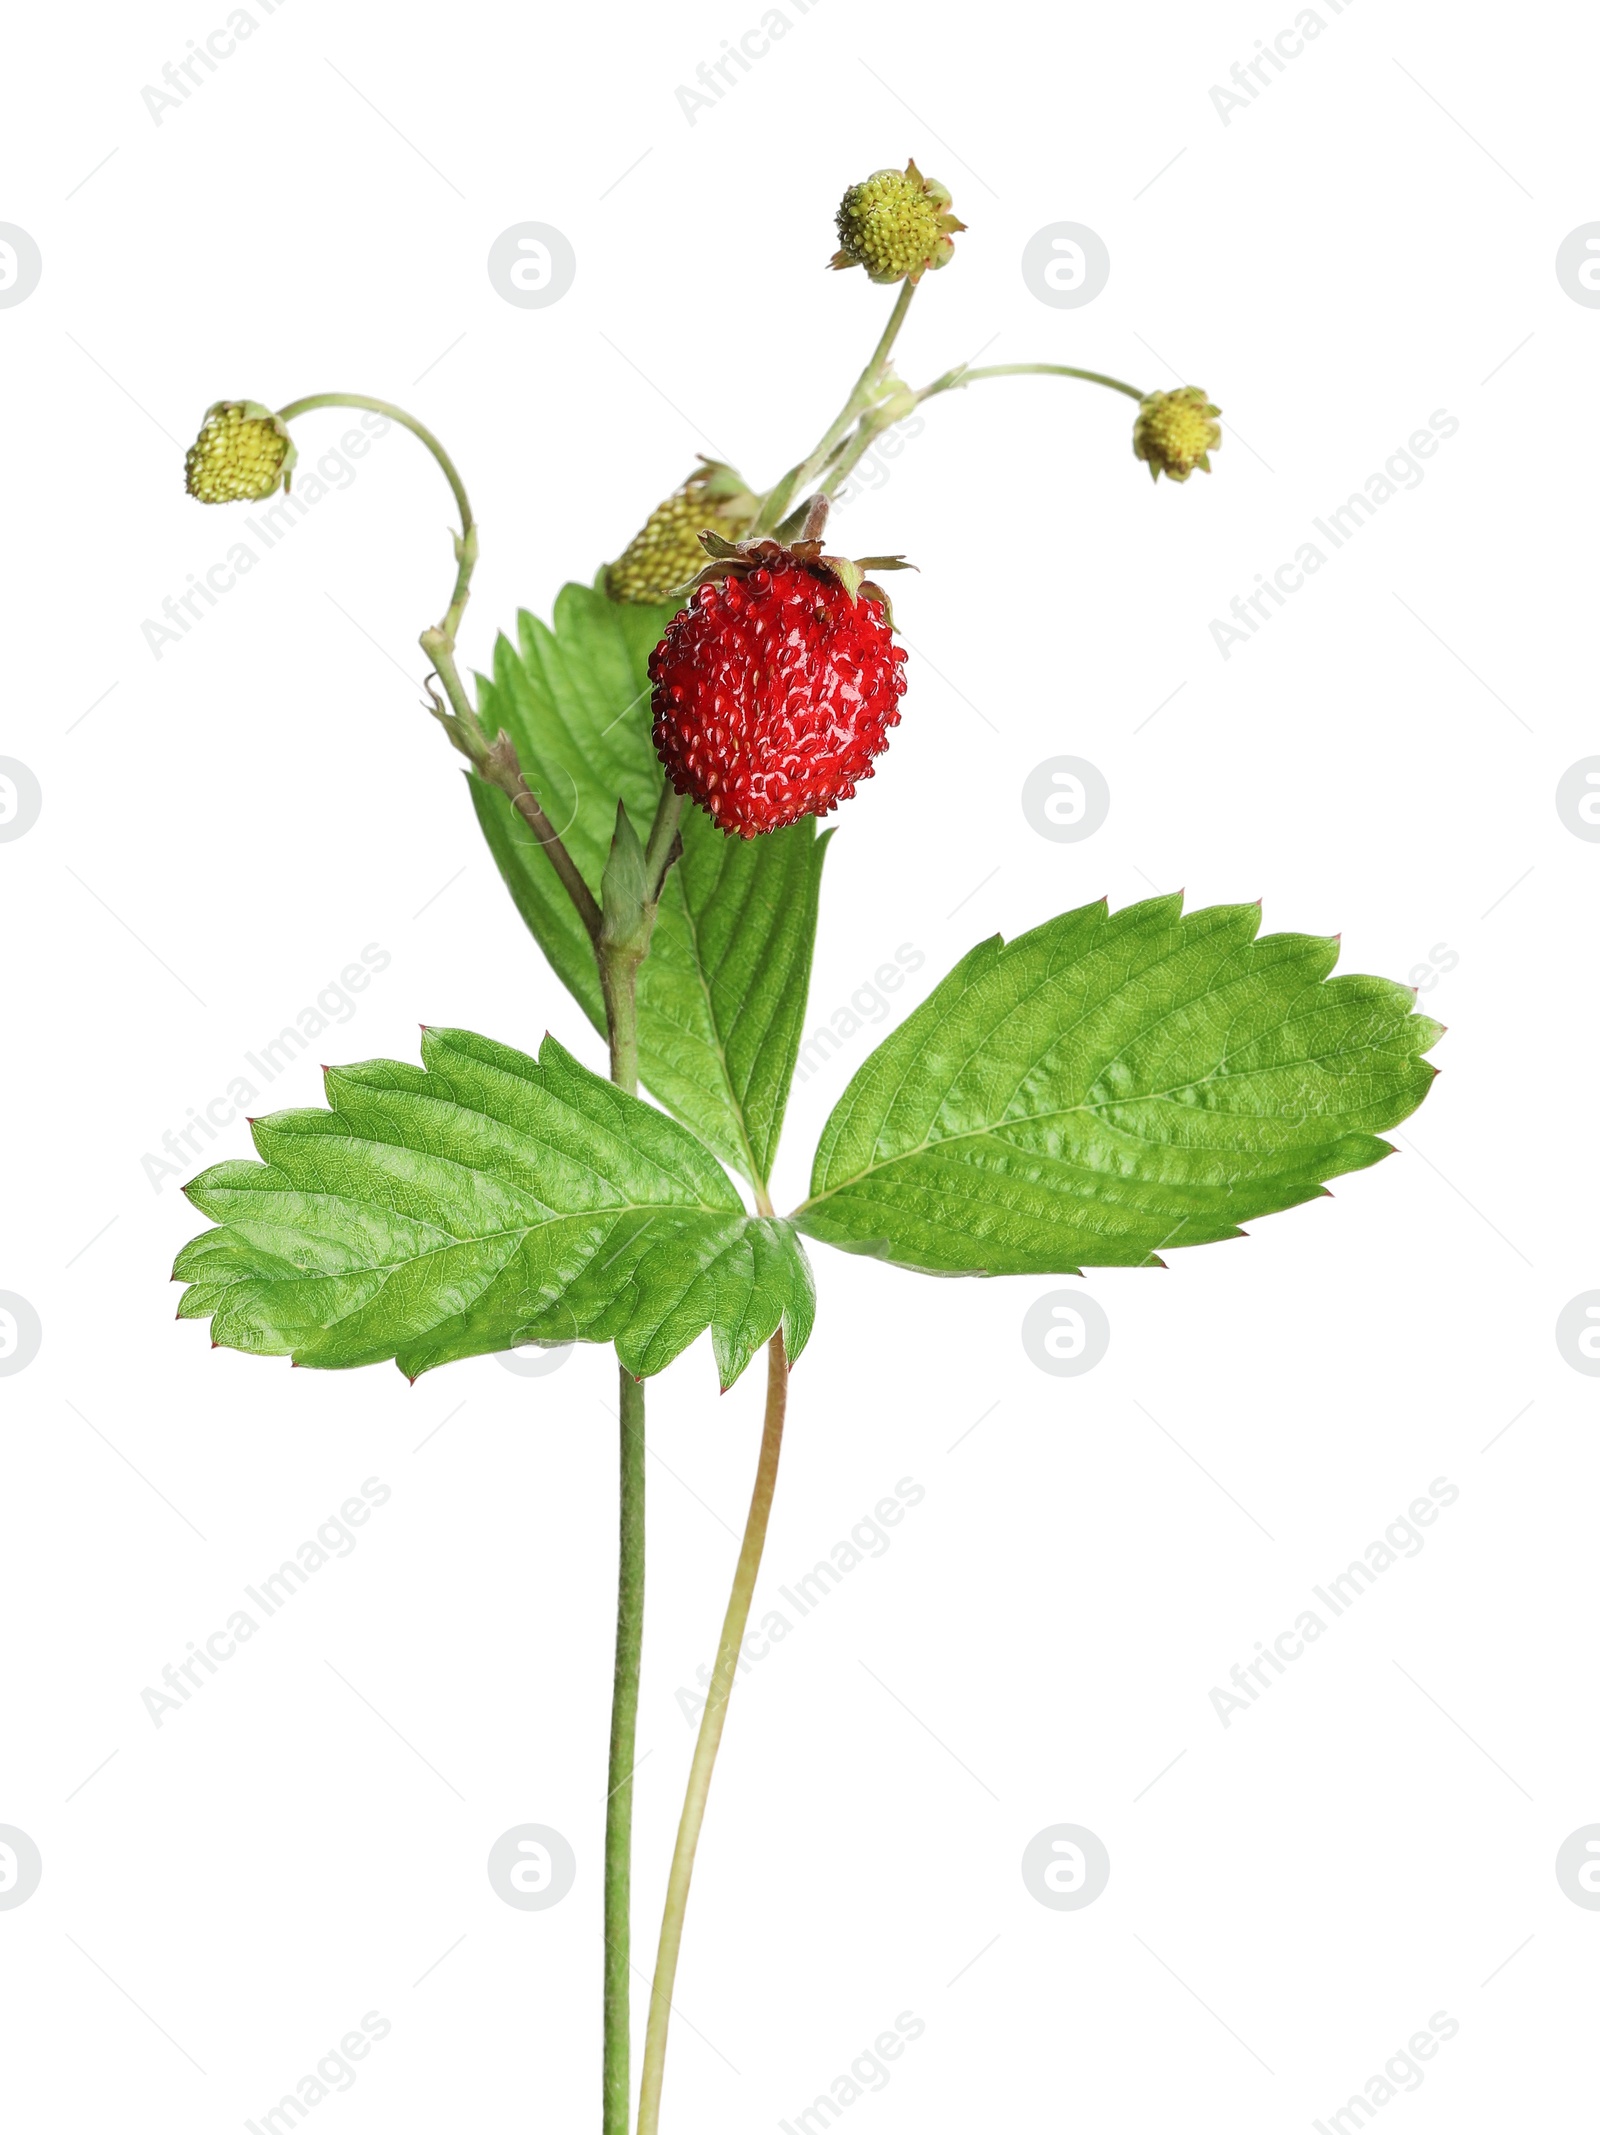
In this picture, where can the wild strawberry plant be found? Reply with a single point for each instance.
(1106, 1089)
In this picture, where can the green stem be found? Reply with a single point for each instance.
(619, 976)
(662, 847)
(854, 444)
(395, 415)
(963, 376)
(615, 2071)
(710, 1737)
(778, 502)
(495, 759)
(619, 979)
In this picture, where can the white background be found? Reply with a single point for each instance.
(1368, 241)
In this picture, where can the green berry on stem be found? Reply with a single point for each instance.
(1176, 432)
(243, 453)
(897, 225)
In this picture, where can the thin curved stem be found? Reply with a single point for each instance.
(710, 1737)
(494, 759)
(855, 443)
(395, 415)
(963, 376)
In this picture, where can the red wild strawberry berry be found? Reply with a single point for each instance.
(773, 691)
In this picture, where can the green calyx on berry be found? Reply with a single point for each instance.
(243, 453)
(897, 225)
(666, 553)
(738, 559)
(1176, 432)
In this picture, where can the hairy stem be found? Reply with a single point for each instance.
(710, 1737)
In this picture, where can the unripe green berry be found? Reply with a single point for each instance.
(242, 454)
(1176, 432)
(666, 553)
(897, 225)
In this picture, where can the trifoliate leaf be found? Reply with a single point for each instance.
(1111, 1086)
(482, 1201)
(722, 994)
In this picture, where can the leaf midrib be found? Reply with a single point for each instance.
(1030, 1119)
(387, 1270)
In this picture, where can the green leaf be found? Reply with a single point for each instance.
(722, 993)
(1109, 1086)
(478, 1202)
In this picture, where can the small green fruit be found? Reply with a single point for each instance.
(243, 453)
(896, 224)
(1176, 432)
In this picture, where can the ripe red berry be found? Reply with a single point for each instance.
(772, 693)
